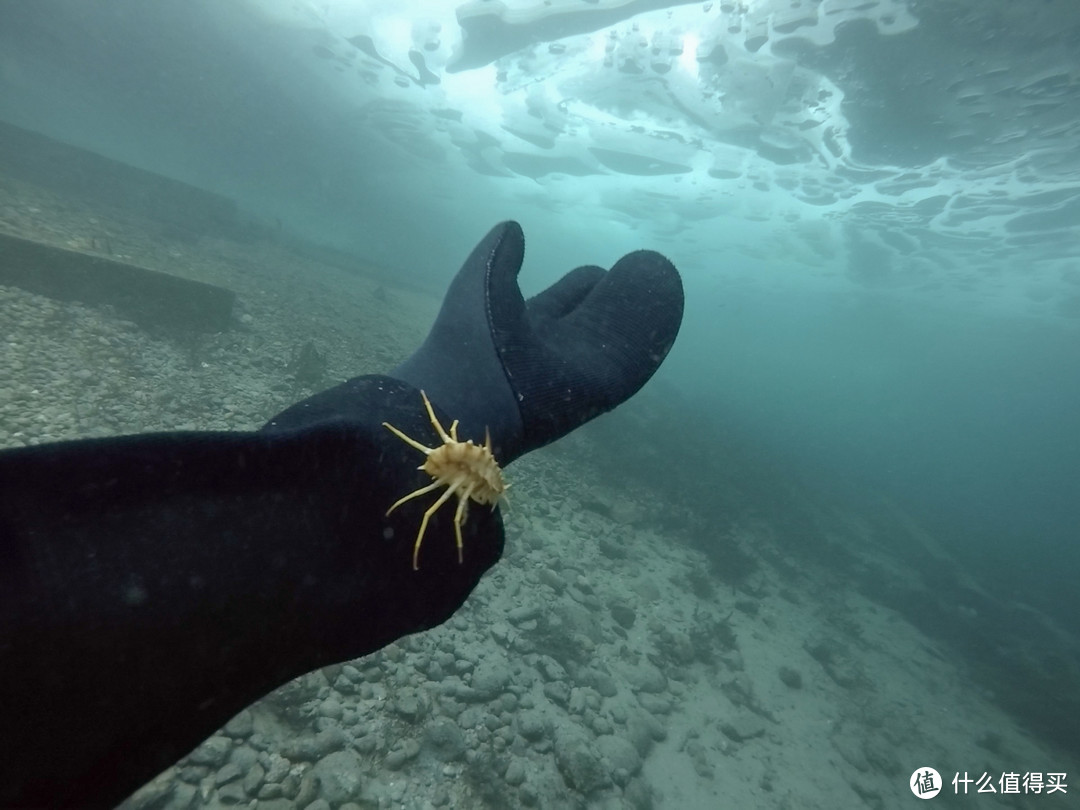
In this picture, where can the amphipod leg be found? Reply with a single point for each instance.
(427, 451)
(411, 495)
(423, 523)
(459, 520)
(446, 437)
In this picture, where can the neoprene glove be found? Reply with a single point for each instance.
(531, 372)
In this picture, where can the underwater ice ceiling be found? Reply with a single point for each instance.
(932, 145)
(929, 147)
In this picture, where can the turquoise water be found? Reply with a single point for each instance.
(874, 207)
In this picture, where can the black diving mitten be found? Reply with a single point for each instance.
(532, 371)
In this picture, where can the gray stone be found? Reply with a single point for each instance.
(791, 677)
(182, 798)
(471, 717)
(192, 774)
(367, 744)
(232, 793)
(212, 753)
(402, 752)
(647, 678)
(440, 795)
(309, 790)
(579, 763)
(287, 698)
(290, 786)
(551, 669)
(229, 772)
(345, 686)
(552, 580)
(515, 772)
(529, 795)
(271, 790)
(372, 674)
(624, 615)
(601, 725)
(254, 778)
(243, 757)
(318, 804)
(583, 698)
(582, 621)
(277, 767)
(578, 701)
(407, 704)
(643, 730)
(845, 672)
(532, 725)
(446, 740)
(466, 694)
(557, 692)
(331, 708)
(523, 613)
(332, 672)
(700, 759)
(605, 685)
(655, 704)
(340, 777)
(837, 663)
(352, 673)
(742, 726)
(676, 645)
(451, 686)
(241, 725)
(620, 753)
(491, 677)
(309, 749)
(152, 795)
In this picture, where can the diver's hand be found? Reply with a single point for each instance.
(531, 372)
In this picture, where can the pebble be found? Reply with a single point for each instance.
(254, 779)
(579, 763)
(445, 739)
(550, 668)
(311, 748)
(532, 725)
(241, 725)
(490, 678)
(402, 752)
(647, 678)
(211, 753)
(340, 777)
(407, 704)
(620, 753)
(515, 772)
(227, 773)
(523, 614)
(331, 709)
(558, 692)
